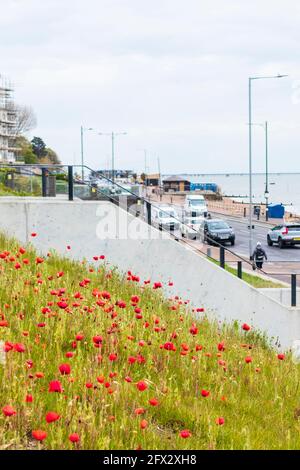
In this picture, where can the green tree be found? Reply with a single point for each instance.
(25, 152)
(52, 156)
(39, 147)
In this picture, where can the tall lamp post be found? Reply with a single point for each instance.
(112, 135)
(250, 79)
(266, 193)
(82, 130)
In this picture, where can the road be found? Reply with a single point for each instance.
(281, 262)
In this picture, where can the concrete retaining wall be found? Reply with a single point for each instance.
(95, 228)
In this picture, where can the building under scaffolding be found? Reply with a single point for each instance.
(7, 122)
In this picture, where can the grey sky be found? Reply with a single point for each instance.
(171, 73)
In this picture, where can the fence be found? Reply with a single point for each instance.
(101, 187)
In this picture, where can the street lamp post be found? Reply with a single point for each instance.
(266, 193)
(267, 172)
(82, 130)
(112, 135)
(250, 79)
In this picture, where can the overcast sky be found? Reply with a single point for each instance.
(171, 73)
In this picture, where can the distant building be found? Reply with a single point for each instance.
(152, 180)
(7, 123)
(176, 183)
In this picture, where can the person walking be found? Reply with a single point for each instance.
(258, 257)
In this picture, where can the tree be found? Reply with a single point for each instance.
(52, 156)
(25, 151)
(25, 118)
(39, 147)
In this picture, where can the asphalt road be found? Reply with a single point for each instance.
(274, 253)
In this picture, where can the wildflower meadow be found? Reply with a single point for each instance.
(95, 359)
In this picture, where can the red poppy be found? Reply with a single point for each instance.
(65, 369)
(74, 437)
(34, 234)
(185, 433)
(62, 304)
(19, 347)
(220, 421)
(39, 435)
(52, 416)
(144, 424)
(8, 410)
(248, 359)
(29, 399)
(55, 386)
(139, 411)
(169, 346)
(142, 386)
(221, 347)
(153, 402)
(113, 357)
(246, 327)
(281, 357)
(205, 393)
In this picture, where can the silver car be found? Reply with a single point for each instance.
(284, 234)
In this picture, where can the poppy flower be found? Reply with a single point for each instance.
(220, 421)
(153, 402)
(143, 424)
(248, 359)
(142, 386)
(169, 346)
(112, 357)
(62, 304)
(246, 327)
(185, 433)
(281, 357)
(34, 234)
(8, 410)
(205, 393)
(79, 337)
(221, 347)
(139, 411)
(55, 386)
(29, 399)
(19, 347)
(39, 435)
(65, 369)
(194, 330)
(52, 416)
(74, 437)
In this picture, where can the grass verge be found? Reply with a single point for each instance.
(131, 369)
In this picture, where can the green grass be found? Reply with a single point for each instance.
(5, 191)
(259, 400)
(255, 281)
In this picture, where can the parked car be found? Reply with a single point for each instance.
(165, 217)
(190, 227)
(217, 230)
(284, 234)
(195, 205)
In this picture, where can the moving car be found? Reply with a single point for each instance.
(217, 230)
(190, 227)
(165, 217)
(195, 205)
(284, 234)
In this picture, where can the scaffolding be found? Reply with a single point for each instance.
(8, 119)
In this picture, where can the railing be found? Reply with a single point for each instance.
(102, 187)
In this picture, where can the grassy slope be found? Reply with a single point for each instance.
(255, 281)
(260, 407)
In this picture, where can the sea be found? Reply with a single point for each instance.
(283, 187)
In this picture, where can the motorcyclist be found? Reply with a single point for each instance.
(258, 257)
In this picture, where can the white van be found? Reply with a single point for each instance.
(164, 217)
(195, 205)
(191, 226)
